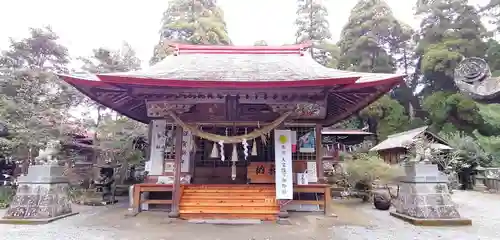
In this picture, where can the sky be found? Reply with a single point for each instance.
(85, 25)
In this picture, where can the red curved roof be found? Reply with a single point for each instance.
(233, 67)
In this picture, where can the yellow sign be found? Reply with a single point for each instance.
(283, 139)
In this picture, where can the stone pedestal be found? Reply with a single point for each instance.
(41, 197)
(424, 198)
(479, 185)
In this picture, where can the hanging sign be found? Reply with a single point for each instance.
(187, 146)
(155, 166)
(283, 162)
(312, 175)
(307, 142)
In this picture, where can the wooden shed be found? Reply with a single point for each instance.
(394, 147)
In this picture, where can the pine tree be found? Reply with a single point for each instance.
(450, 30)
(193, 22)
(312, 25)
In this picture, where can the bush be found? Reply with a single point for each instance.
(369, 168)
(6, 196)
(365, 170)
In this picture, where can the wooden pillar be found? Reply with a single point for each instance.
(319, 154)
(174, 213)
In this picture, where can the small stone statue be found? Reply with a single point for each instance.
(48, 156)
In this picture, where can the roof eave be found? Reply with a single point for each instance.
(226, 84)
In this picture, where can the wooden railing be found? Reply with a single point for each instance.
(149, 187)
(323, 189)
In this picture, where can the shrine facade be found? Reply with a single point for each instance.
(235, 131)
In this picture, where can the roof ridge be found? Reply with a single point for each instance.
(419, 129)
(225, 49)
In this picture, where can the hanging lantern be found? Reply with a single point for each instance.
(254, 148)
(215, 152)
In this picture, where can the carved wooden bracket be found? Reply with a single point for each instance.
(302, 110)
(160, 108)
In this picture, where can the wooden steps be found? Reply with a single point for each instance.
(229, 202)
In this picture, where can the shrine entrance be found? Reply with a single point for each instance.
(211, 168)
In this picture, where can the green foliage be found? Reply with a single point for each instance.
(450, 30)
(115, 135)
(368, 168)
(467, 151)
(199, 22)
(119, 138)
(312, 25)
(6, 196)
(389, 116)
(370, 38)
(493, 56)
(445, 108)
(34, 103)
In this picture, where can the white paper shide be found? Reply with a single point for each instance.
(283, 161)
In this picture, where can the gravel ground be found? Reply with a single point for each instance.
(95, 223)
(481, 208)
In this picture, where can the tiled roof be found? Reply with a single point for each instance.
(399, 140)
(243, 65)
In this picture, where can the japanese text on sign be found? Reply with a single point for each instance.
(283, 162)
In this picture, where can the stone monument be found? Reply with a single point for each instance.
(424, 198)
(42, 195)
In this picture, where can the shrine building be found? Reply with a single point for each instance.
(235, 131)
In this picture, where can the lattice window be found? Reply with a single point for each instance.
(308, 151)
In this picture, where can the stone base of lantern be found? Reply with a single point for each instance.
(424, 198)
(41, 197)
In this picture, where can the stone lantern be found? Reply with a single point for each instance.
(479, 182)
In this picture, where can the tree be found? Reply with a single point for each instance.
(370, 37)
(450, 112)
(492, 10)
(34, 103)
(493, 57)
(450, 30)
(385, 116)
(115, 135)
(373, 40)
(199, 22)
(312, 25)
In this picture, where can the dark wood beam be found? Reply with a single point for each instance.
(319, 154)
(174, 213)
(231, 105)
